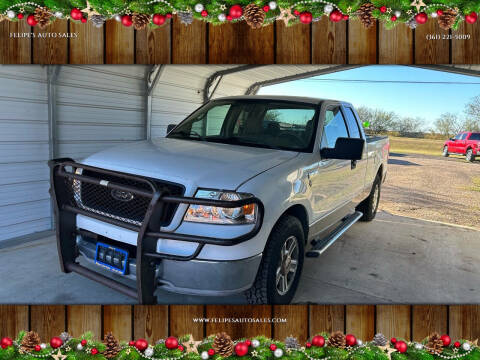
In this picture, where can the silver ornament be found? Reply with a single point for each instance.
(205, 355)
(43, 346)
(418, 346)
(397, 13)
(79, 347)
(222, 17)
(255, 343)
(118, 18)
(272, 5)
(359, 342)
(328, 9)
(434, 14)
(11, 14)
(149, 352)
(466, 346)
(58, 14)
(278, 353)
(199, 7)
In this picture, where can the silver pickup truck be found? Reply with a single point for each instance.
(230, 201)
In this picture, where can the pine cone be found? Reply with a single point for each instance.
(365, 14)
(29, 341)
(254, 16)
(112, 346)
(140, 21)
(186, 17)
(98, 20)
(291, 343)
(412, 23)
(223, 344)
(379, 340)
(447, 19)
(42, 16)
(337, 339)
(434, 344)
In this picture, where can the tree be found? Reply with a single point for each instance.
(448, 124)
(380, 120)
(409, 125)
(472, 113)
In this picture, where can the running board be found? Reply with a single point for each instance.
(321, 245)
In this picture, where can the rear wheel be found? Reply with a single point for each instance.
(445, 151)
(369, 206)
(469, 156)
(282, 263)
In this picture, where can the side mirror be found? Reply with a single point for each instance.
(452, 139)
(170, 127)
(345, 149)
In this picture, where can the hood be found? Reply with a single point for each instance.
(190, 162)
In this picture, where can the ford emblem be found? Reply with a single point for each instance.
(121, 195)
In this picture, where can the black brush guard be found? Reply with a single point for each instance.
(146, 255)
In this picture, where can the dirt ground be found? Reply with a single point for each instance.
(433, 188)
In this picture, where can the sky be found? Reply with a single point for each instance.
(426, 101)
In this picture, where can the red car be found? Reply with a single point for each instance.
(465, 143)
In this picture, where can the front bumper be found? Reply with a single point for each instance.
(151, 268)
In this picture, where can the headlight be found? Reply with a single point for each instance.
(218, 215)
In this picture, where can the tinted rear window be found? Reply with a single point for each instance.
(475, 136)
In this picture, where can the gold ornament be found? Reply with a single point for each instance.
(409, 12)
(389, 10)
(128, 351)
(68, 348)
(89, 10)
(191, 345)
(286, 15)
(59, 356)
(254, 353)
(418, 4)
(349, 10)
(387, 349)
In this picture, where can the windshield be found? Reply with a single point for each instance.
(275, 125)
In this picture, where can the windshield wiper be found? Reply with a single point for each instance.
(235, 140)
(187, 135)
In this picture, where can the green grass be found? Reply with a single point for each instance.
(475, 184)
(416, 146)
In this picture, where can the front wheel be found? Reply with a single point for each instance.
(445, 151)
(469, 156)
(282, 263)
(369, 206)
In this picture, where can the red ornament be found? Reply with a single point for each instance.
(421, 18)
(181, 348)
(131, 343)
(393, 340)
(31, 20)
(84, 20)
(393, 18)
(471, 18)
(306, 17)
(6, 342)
(169, 16)
(94, 351)
(171, 342)
(401, 346)
(204, 13)
(446, 340)
(273, 347)
(84, 342)
(439, 12)
(159, 19)
(351, 340)
(56, 342)
(296, 12)
(211, 352)
(336, 16)
(266, 8)
(20, 16)
(456, 344)
(142, 344)
(241, 349)
(38, 348)
(345, 17)
(248, 342)
(236, 11)
(308, 345)
(318, 341)
(127, 20)
(76, 14)
(229, 17)
(383, 9)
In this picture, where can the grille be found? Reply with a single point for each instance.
(121, 206)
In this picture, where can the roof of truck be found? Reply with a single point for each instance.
(309, 100)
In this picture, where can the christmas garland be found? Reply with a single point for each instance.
(257, 13)
(335, 346)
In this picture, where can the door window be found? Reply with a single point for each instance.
(464, 136)
(352, 124)
(458, 136)
(333, 127)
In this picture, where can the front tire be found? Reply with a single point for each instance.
(445, 151)
(282, 263)
(369, 206)
(469, 156)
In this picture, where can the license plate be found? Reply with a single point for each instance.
(111, 258)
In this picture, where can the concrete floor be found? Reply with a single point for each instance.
(393, 259)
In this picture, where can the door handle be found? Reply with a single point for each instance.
(354, 164)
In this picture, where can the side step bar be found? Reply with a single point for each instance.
(321, 245)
